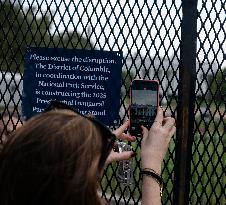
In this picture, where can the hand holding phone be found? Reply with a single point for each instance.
(144, 105)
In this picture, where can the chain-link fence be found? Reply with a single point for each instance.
(180, 43)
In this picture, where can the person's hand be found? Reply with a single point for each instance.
(119, 133)
(155, 141)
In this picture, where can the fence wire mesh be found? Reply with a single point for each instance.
(148, 33)
(208, 180)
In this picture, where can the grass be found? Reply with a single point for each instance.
(207, 170)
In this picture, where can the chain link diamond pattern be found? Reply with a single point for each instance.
(208, 162)
(148, 33)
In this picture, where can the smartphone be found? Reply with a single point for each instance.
(144, 96)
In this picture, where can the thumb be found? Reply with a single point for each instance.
(123, 156)
(144, 132)
(115, 156)
(121, 129)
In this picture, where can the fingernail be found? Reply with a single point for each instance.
(115, 148)
(133, 154)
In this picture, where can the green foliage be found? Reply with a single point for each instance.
(72, 40)
(127, 77)
(217, 84)
(21, 28)
(10, 23)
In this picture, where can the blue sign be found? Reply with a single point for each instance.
(88, 80)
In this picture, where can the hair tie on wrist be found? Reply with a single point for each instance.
(153, 174)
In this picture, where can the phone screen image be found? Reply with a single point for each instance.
(144, 104)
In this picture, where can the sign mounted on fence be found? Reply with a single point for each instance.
(88, 80)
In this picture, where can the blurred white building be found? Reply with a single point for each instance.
(11, 86)
(167, 72)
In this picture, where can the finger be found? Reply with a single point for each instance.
(122, 156)
(169, 122)
(165, 119)
(121, 129)
(144, 131)
(172, 131)
(127, 137)
(159, 116)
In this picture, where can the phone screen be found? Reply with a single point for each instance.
(144, 104)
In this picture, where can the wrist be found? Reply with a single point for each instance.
(155, 165)
(153, 161)
(152, 174)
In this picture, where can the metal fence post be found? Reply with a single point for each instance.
(186, 102)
